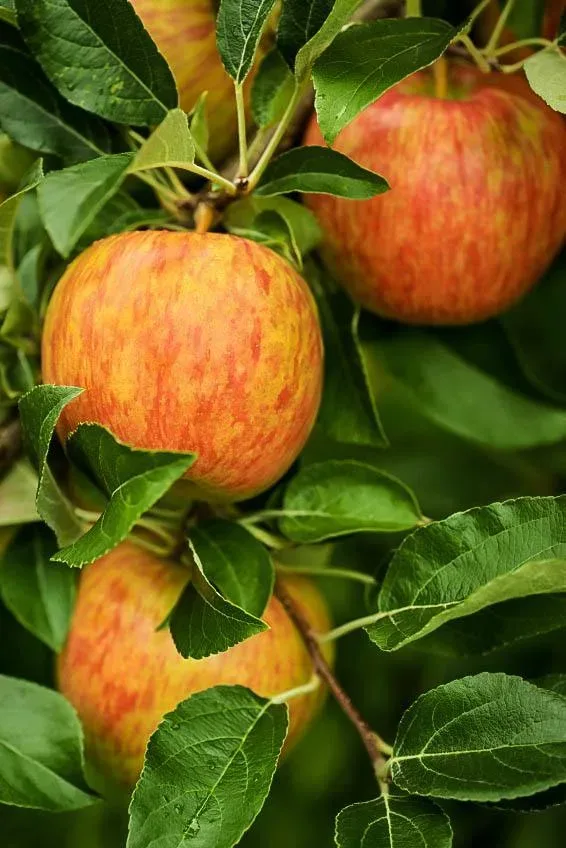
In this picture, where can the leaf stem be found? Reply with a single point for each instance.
(498, 29)
(373, 744)
(524, 42)
(479, 9)
(276, 138)
(269, 539)
(213, 177)
(475, 53)
(203, 156)
(351, 626)
(242, 130)
(305, 689)
(336, 573)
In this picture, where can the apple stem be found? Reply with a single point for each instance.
(414, 9)
(440, 71)
(373, 743)
(242, 130)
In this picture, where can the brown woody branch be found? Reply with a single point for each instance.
(372, 742)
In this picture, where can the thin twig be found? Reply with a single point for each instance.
(10, 444)
(373, 744)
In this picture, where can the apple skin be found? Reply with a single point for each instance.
(477, 208)
(122, 675)
(185, 32)
(207, 343)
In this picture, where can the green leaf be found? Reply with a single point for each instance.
(469, 561)
(69, 200)
(198, 123)
(203, 622)
(8, 11)
(535, 330)
(342, 11)
(336, 498)
(9, 210)
(546, 73)
(100, 57)
(555, 682)
(208, 770)
(464, 399)
(243, 217)
(238, 29)
(501, 625)
(322, 171)
(482, 738)
(526, 18)
(272, 89)
(235, 562)
(133, 479)
(17, 495)
(39, 593)
(348, 413)
(367, 59)
(170, 145)
(39, 411)
(393, 821)
(299, 22)
(41, 763)
(33, 112)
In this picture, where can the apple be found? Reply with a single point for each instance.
(207, 343)
(477, 208)
(122, 674)
(185, 32)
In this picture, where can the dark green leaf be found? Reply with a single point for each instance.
(41, 761)
(555, 682)
(342, 11)
(8, 11)
(546, 73)
(133, 479)
(170, 145)
(322, 171)
(300, 21)
(501, 625)
(9, 209)
(238, 29)
(33, 112)
(535, 329)
(467, 562)
(243, 217)
(464, 399)
(69, 200)
(39, 593)
(235, 562)
(393, 821)
(526, 18)
(272, 89)
(339, 497)
(100, 57)
(367, 59)
(482, 738)
(208, 769)
(348, 413)
(17, 495)
(39, 410)
(203, 622)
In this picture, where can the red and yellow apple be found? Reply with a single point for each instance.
(477, 207)
(185, 32)
(207, 343)
(122, 674)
